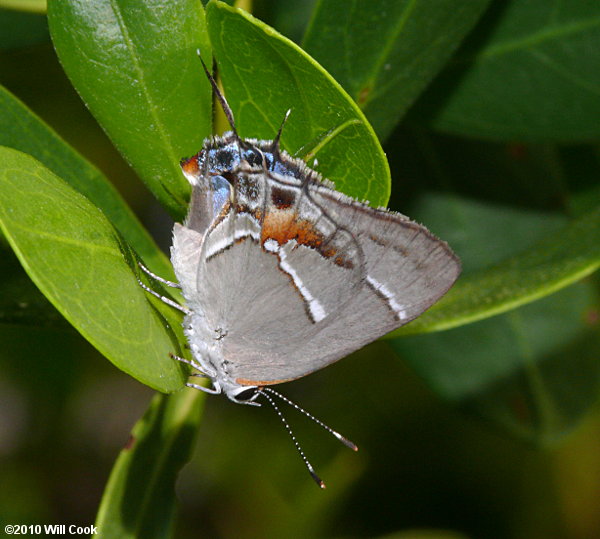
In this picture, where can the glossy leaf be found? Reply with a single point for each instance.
(78, 260)
(139, 499)
(535, 77)
(265, 74)
(135, 66)
(384, 54)
(560, 259)
(514, 369)
(21, 129)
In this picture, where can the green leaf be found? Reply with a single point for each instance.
(139, 499)
(81, 264)
(135, 66)
(558, 260)
(515, 368)
(535, 78)
(533, 371)
(21, 129)
(265, 74)
(36, 6)
(384, 54)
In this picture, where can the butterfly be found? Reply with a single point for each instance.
(283, 275)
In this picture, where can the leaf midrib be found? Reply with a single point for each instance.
(534, 39)
(134, 57)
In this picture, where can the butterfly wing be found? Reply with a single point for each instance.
(210, 198)
(305, 275)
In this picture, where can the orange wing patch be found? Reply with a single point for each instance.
(284, 225)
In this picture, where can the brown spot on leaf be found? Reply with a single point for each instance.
(130, 443)
(363, 95)
(518, 152)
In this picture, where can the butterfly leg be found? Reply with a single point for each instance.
(210, 390)
(159, 279)
(201, 374)
(249, 402)
(165, 299)
(239, 397)
(193, 364)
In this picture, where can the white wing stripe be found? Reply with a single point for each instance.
(315, 308)
(389, 297)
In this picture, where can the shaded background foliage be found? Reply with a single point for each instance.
(488, 429)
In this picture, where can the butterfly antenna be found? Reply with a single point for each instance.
(225, 106)
(311, 470)
(275, 145)
(341, 438)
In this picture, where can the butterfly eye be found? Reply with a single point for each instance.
(253, 157)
